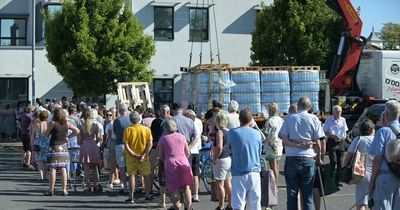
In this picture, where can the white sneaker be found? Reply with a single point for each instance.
(117, 182)
(110, 186)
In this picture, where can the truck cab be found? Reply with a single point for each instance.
(378, 74)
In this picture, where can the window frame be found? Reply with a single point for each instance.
(192, 34)
(26, 81)
(25, 38)
(161, 28)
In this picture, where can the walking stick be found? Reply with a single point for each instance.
(322, 186)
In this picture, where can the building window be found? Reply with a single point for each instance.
(163, 23)
(13, 31)
(50, 9)
(163, 92)
(13, 90)
(198, 24)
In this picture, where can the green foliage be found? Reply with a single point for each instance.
(296, 32)
(93, 44)
(391, 34)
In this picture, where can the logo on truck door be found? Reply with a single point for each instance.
(395, 69)
(394, 88)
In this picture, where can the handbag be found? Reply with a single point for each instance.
(355, 171)
(36, 148)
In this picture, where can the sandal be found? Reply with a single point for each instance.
(98, 188)
(49, 193)
(88, 189)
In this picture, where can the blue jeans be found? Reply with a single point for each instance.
(299, 175)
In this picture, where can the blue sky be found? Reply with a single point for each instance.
(376, 12)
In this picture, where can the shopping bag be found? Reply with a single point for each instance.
(269, 189)
(358, 167)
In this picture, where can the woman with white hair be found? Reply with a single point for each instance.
(174, 152)
(89, 152)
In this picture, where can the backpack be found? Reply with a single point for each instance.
(389, 148)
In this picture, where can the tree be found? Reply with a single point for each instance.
(390, 32)
(94, 44)
(296, 32)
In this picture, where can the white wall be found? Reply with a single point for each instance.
(235, 22)
(18, 61)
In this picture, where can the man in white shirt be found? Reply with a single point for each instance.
(335, 129)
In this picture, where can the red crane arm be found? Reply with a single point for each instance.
(342, 77)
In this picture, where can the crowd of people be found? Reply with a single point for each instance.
(69, 137)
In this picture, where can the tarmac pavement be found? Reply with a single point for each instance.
(21, 189)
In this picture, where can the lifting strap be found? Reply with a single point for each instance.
(218, 56)
(193, 34)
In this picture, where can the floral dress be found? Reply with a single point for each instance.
(273, 147)
(43, 142)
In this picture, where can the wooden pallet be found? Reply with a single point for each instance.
(226, 67)
(205, 67)
(315, 68)
(289, 68)
(247, 68)
(134, 93)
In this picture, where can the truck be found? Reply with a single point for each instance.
(360, 75)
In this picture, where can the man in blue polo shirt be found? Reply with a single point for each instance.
(301, 133)
(245, 143)
(384, 184)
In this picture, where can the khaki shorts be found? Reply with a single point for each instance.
(133, 167)
(222, 169)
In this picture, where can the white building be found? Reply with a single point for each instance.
(174, 24)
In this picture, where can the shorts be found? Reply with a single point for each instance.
(273, 150)
(247, 190)
(194, 160)
(120, 155)
(270, 157)
(111, 147)
(161, 174)
(153, 158)
(133, 167)
(26, 143)
(222, 169)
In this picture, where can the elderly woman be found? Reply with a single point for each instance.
(362, 144)
(222, 161)
(90, 153)
(58, 157)
(174, 152)
(273, 145)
